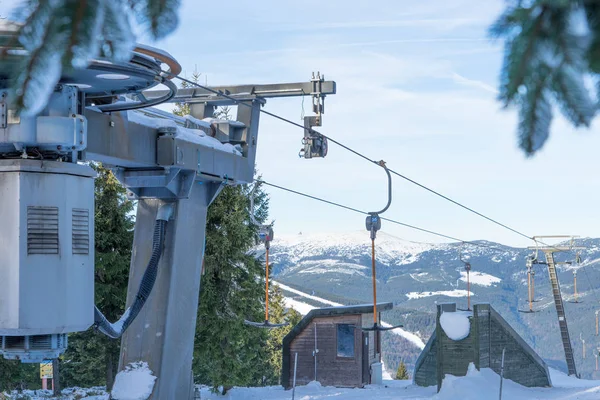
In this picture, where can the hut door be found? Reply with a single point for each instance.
(366, 371)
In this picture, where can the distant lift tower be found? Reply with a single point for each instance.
(173, 166)
(558, 301)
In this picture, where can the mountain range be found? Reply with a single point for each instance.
(328, 268)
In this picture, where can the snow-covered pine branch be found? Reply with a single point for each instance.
(59, 35)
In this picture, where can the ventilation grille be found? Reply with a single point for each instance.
(14, 342)
(81, 231)
(40, 342)
(42, 230)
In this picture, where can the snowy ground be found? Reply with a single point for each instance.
(477, 385)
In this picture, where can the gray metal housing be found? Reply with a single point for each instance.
(47, 246)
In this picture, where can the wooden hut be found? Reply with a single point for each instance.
(344, 351)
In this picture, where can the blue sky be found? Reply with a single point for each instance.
(416, 87)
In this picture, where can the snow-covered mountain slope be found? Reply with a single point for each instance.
(347, 251)
(416, 276)
(304, 308)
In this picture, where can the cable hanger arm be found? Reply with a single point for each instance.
(389, 176)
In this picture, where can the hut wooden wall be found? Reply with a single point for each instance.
(331, 369)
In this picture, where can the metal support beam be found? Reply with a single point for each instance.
(117, 141)
(163, 333)
(244, 92)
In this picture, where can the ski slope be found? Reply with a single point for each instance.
(304, 309)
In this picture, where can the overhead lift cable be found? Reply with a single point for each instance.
(356, 210)
(236, 101)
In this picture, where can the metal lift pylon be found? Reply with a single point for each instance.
(163, 334)
(557, 295)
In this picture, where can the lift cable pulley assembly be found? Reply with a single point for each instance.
(265, 235)
(373, 224)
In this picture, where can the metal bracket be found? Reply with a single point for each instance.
(318, 97)
(165, 184)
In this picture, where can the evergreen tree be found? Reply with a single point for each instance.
(228, 352)
(182, 109)
(551, 46)
(278, 315)
(92, 358)
(15, 375)
(402, 373)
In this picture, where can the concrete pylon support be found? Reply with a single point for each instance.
(163, 333)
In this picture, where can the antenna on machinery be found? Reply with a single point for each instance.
(468, 270)
(373, 224)
(265, 235)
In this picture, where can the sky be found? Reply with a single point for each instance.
(416, 87)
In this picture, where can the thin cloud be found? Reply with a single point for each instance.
(352, 44)
(441, 23)
(473, 83)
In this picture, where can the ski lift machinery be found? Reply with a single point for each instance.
(549, 251)
(173, 166)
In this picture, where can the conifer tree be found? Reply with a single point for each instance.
(550, 48)
(15, 375)
(278, 315)
(402, 373)
(182, 109)
(228, 352)
(92, 358)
